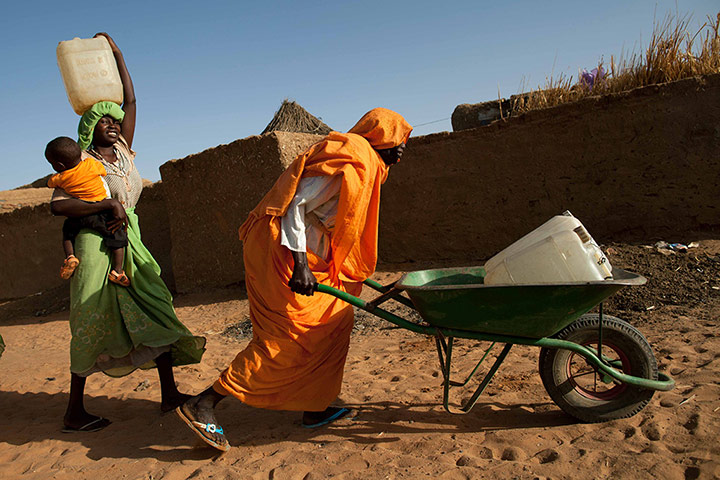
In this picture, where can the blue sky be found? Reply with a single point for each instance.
(207, 73)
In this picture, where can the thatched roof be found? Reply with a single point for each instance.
(291, 117)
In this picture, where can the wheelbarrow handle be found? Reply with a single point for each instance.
(377, 286)
(388, 292)
(368, 307)
(344, 296)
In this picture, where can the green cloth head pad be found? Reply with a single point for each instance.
(92, 116)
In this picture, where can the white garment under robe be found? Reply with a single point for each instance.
(311, 215)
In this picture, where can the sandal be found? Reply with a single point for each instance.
(93, 426)
(199, 428)
(337, 415)
(69, 266)
(119, 278)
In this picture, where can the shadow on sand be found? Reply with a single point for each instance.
(140, 431)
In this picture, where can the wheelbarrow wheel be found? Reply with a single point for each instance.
(583, 392)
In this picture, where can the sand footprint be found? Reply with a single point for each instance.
(692, 423)
(475, 458)
(513, 454)
(691, 473)
(466, 461)
(652, 431)
(548, 455)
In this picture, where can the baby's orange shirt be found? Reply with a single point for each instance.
(83, 181)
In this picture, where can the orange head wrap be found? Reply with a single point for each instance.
(383, 128)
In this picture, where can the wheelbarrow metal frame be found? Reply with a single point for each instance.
(444, 340)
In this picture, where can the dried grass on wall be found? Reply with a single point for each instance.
(675, 52)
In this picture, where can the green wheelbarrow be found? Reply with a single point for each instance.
(595, 367)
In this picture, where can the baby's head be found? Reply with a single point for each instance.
(63, 153)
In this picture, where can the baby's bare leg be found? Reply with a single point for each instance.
(68, 247)
(118, 256)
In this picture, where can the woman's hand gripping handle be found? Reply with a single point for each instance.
(302, 281)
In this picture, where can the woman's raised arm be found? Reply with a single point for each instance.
(128, 124)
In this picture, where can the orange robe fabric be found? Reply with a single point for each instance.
(296, 358)
(82, 181)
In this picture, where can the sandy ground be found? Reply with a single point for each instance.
(393, 380)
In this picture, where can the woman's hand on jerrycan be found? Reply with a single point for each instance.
(113, 46)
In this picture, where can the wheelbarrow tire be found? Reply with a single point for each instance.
(621, 401)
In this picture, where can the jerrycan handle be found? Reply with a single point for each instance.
(583, 234)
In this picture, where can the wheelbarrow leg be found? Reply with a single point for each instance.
(442, 348)
(600, 330)
(445, 363)
(486, 381)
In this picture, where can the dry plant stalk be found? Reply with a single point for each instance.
(673, 54)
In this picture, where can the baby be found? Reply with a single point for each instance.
(82, 178)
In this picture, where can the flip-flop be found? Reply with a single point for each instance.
(199, 428)
(335, 416)
(97, 424)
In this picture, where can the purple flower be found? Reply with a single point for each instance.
(589, 78)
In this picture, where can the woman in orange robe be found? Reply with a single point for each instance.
(296, 357)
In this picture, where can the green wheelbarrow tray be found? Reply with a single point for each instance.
(457, 298)
(456, 304)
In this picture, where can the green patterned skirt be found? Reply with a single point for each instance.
(116, 329)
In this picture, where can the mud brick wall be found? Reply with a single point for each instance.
(155, 229)
(31, 250)
(638, 166)
(210, 194)
(24, 197)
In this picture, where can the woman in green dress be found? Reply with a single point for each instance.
(115, 329)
